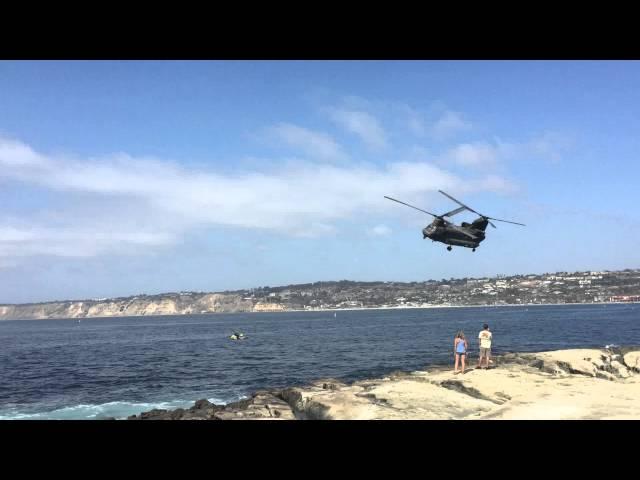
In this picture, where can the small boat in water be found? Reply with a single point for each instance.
(238, 336)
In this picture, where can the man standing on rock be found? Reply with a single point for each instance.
(485, 345)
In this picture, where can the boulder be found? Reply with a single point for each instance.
(155, 414)
(618, 369)
(202, 404)
(632, 360)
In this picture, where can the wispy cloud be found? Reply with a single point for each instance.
(145, 203)
(549, 147)
(71, 241)
(546, 210)
(441, 126)
(449, 123)
(379, 231)
(16, 154)
(362, 124)
(314, 144)
(415, 121)
(473, 154)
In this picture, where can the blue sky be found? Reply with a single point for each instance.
(120, 178)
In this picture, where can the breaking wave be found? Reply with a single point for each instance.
(119, 410)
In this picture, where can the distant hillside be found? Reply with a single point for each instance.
(165, 304)
(559, 287)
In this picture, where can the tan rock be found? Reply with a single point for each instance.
(269, 307)
(619, 369)
(591, 386)
(583, 361)
(632, 360)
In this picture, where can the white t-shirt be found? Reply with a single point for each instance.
(485, 339)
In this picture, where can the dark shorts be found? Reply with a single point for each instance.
(461, 353)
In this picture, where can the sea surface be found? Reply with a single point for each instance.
(115, 367)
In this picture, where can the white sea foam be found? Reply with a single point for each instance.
(119, 410)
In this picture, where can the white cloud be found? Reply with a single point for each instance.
(315, 144)
(418, 153)
(362, 124)
(548, 147)
(473, 154)
(379, 231)
(414, 120)
(493, 183)
(16, 154)
(440, 126)
(132, 204)
(71, 241)
(448, 124)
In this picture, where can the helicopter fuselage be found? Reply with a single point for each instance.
(439, 232)
(467, 235)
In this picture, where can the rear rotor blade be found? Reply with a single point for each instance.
(483, 216)
(433, 215)
(507, 221)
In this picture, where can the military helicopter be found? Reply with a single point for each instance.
(465, 235)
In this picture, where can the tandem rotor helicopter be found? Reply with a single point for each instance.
(465, 235)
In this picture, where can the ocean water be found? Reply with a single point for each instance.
(96, 368)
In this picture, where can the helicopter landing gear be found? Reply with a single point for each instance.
(449, 248)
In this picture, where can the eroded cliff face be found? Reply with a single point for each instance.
(170, 304)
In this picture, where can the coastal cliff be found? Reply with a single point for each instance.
(563, 384)
(558, 288)
(167, 304)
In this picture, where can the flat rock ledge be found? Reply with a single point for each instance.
(562, 384)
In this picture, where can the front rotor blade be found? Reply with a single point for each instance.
(433, 215)
(460, 203)
(454, 212)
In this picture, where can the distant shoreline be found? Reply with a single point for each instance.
(453, 306)
(326, 310)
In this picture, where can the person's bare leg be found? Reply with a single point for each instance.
(462, 358)
(455, 368)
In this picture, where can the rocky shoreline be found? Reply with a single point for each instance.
(562, 384)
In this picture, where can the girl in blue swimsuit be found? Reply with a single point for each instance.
(460, 350)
